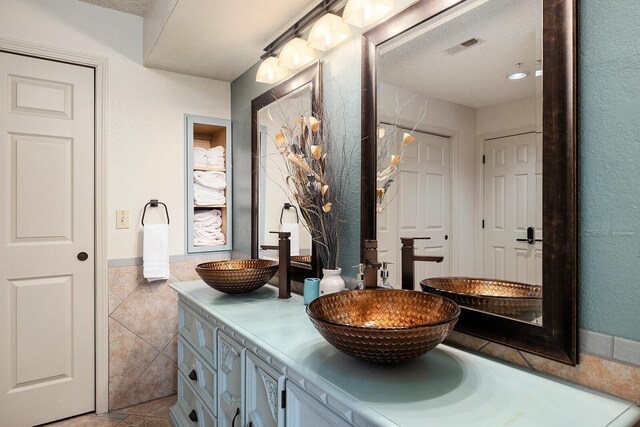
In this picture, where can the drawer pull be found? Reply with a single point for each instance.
(233, 422)
(193, 416)
(193, 376)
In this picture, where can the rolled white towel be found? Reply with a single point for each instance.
(200, 157)
(211, 179)
(208, 237)
(206, 219)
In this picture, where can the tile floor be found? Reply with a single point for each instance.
(149, 414)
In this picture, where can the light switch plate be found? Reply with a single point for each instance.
(122, 218)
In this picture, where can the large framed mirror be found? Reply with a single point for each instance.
(469, 140)
(272, 207)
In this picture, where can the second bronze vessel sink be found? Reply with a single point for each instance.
(512, 299)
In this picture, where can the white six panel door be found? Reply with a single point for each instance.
(512, 203)
(420, 207)
(46, 219)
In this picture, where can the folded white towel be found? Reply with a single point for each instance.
(204, 196)
(215, 157)
(155, 252)
(211, 179)
(200, 157)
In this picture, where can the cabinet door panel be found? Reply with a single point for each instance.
(262, 393)
(230, 355)
(303, 410)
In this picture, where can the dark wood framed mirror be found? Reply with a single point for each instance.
(300, 94)
(553, 129)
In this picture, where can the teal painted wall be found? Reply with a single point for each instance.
(609, 155)
(341, 83)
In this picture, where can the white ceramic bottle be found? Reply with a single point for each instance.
(331, 281)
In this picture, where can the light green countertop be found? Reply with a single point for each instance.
(445, 387)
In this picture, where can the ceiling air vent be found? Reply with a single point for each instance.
(467, 44)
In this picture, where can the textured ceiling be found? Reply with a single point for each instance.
(221, 39)
(511, 30)
(134, 7)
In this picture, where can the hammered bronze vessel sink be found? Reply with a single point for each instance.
(512, 299)
(237, 276)
(383, 325)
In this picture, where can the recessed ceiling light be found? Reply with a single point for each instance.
(518, 75)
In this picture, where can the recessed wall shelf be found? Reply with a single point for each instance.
(211, 137)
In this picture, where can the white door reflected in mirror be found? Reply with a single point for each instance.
(471, 179)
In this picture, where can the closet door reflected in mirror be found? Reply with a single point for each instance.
(467, 87)
(469, 142)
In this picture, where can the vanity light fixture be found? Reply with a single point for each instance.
(270, 71)
(296, 54)
(361, 13)
(328, 32)
(518, 74)
(293, 51)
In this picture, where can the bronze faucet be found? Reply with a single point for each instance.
(284, 263)
(371, 264)
(409, 257)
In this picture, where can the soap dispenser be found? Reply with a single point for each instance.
(360, 276)
(384, 274)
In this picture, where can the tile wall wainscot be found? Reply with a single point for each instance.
(608, 364)
(143, 329)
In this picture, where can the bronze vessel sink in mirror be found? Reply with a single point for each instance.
(511, 299)
(383, 325)
(237, 276)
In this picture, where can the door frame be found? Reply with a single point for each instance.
(100, 66)
(480, 185)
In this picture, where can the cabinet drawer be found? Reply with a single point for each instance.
(192, 406)
(198, 332)
(199, 373)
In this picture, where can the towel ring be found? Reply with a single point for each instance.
(154, 204)
(289, 206)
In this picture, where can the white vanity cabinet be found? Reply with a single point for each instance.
(226, 381)
(261, 356)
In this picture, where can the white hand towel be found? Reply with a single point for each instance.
(211, 179)
(293, 228)
(155, 252)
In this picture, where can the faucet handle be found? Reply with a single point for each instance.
(408, 241)
(282, 234)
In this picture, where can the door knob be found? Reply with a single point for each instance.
(82, 256)
(193, 376)
(193, 416)
(530, 237)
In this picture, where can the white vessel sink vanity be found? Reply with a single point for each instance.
(259, 359)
